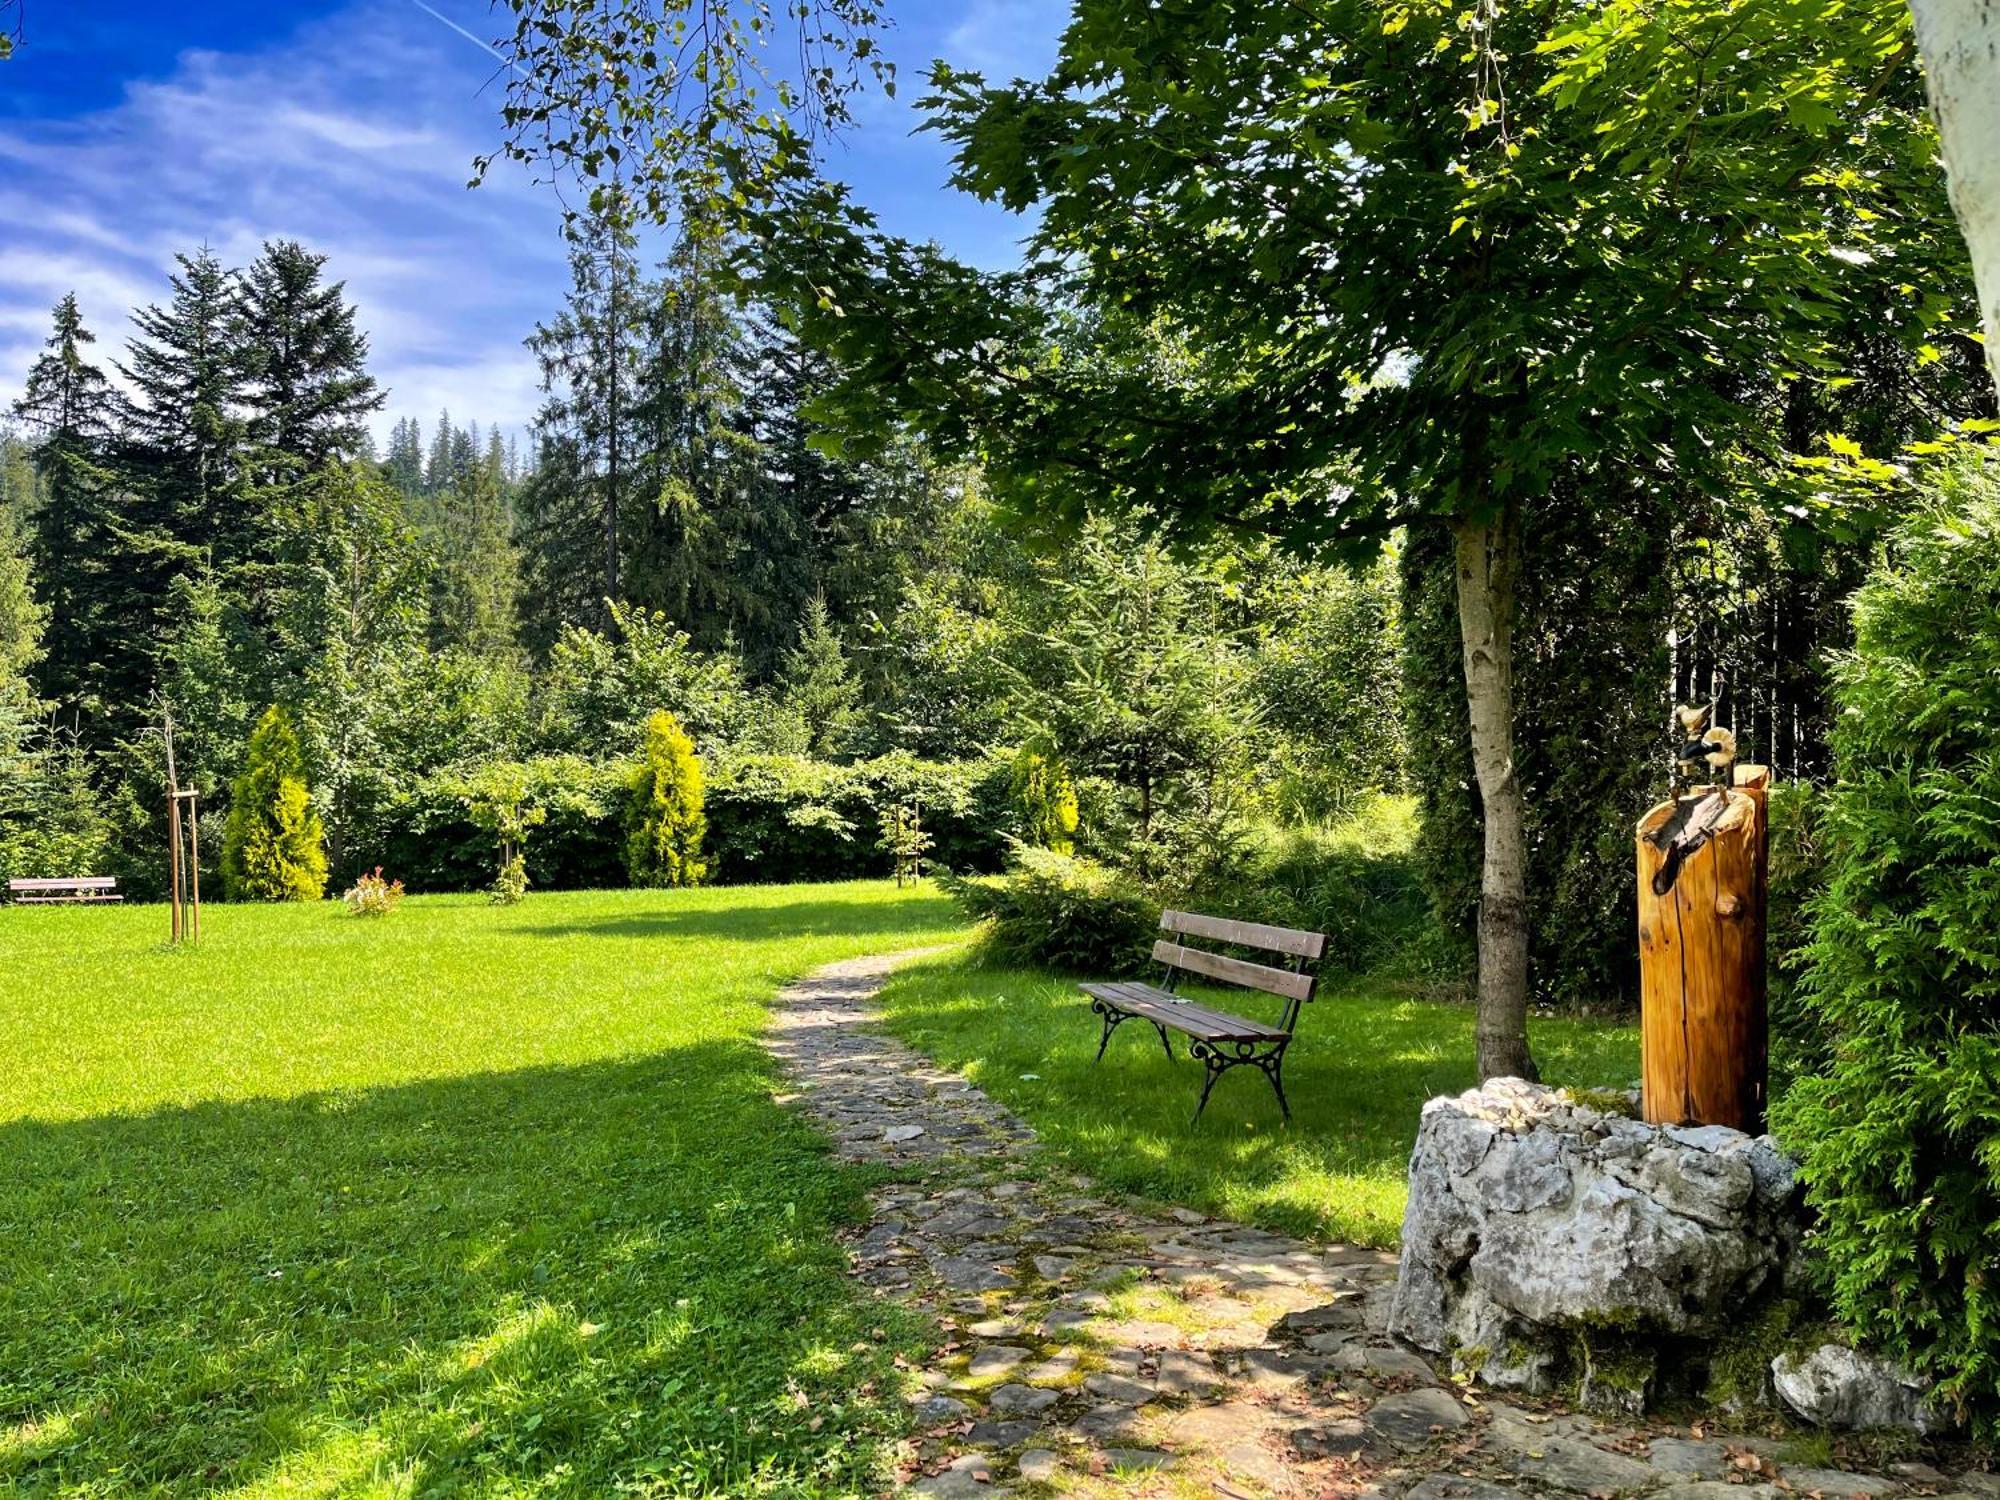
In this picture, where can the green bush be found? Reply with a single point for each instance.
(776, 818)
(1797, 869)
(1060, 911)
(771, 819)
(1900, 1135)
(273, 848)
(1356, 881)
(663, 819)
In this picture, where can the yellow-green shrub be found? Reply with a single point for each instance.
(273, 847)
(664, 822)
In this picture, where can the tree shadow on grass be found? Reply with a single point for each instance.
(753, 920)
(558, 1279)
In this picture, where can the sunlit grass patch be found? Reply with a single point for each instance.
(1362, 1065)
(468, 1200)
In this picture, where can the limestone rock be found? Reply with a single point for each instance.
(1839, 1387)
(1039, 1465)
(1413, 1418)
(1837, 1484)
(1533, 1218)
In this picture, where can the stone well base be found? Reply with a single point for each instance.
(1551, 1239)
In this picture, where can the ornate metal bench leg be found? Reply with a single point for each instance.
(1111, 1020)
(1163, 1040)
(1219, 1057)
(1274, 1069)
(1215, 1067)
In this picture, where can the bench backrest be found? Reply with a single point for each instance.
(66, 883)
(1294, 983)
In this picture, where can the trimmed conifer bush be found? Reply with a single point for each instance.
(664, 822)
(1900, 1134)
(273, 847)
(1047, 800)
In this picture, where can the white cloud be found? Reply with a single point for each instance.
(356, 136)
(1006, 39)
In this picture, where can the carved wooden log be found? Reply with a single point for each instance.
(1703, 1042)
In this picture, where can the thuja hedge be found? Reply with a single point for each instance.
(1899, 1128)
(771, 818)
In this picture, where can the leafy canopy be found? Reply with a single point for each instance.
(1414, 257)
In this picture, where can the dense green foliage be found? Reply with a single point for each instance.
(664, 823)
(497, 1197)
(273, 847)
(1408, 264)
(1900, 1135)
(833, 633)
(1063, 912)
(1365, 1060)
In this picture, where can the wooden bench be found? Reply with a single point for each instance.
(69, 888)
(1218, 1040)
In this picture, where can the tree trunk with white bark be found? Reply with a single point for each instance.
(1488, 563)
(1960, 43)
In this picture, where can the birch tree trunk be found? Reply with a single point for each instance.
(1960, 43)
(1489, 560)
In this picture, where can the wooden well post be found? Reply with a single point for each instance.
(1703, 1040)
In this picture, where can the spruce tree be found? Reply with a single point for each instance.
(717, 550)
(664, 822)
(475, 575)
(272, 845)
(183, 423)
(438, 459)
(96, 656)
(309, 388)
(819, 687)
(404, 465)
(589, 355)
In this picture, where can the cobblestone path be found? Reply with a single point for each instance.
(1097, 1350)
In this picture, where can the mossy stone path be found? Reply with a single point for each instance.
(1095, 1348)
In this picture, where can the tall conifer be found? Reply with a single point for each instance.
(78, 529)
(184, 424)
(309, 388)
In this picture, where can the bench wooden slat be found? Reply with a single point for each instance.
(1191, 1015)
(1234, 970)
(1246, 934)
(63, 890)
(1183, 1015)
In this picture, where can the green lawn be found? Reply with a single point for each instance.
(468, 1200)
(1359, 1072)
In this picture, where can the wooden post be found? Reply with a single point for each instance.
(173, 863)
(1701, 968)
(194, 865)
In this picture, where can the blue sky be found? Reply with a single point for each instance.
(130, 129)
